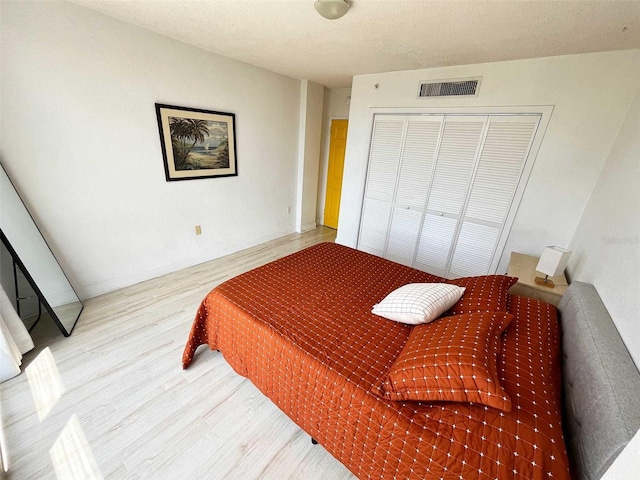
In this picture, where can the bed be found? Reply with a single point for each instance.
(301, 329)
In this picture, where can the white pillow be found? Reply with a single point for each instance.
(417, 303)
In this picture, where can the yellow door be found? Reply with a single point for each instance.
(337, 146)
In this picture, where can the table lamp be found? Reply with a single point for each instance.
(552, 262)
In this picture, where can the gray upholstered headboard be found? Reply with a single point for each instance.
(601, 383)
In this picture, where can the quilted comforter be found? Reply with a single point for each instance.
(301, 329)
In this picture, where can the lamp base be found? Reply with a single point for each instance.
(545, 282)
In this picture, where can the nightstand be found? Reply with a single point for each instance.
(524, 267)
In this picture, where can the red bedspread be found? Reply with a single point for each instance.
(301, 329)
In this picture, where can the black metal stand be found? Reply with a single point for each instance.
(42, 299)
(19, 298)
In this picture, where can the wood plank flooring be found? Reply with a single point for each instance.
(112, 401)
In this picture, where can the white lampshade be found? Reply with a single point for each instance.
(553, 261)
(331, 9)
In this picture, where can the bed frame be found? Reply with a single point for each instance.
(601, 384)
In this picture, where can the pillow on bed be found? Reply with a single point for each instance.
(453, 359)
(416, 303)
(486, 293)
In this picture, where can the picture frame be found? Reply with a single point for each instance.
(197, 143)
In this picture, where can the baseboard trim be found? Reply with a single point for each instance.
(116, 283)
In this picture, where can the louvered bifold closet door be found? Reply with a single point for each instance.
(454, 166)
(412, 189)
(440, 189)
(505, 149)
(384, 158)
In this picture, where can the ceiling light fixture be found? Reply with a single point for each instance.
(331, 9)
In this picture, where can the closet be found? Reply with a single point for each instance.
(440, 188)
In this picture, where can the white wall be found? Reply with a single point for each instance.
(590, 95)
(311, 104)
(606, 244)
(336, 106)
(79, 138)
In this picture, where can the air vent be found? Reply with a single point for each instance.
(450, 88)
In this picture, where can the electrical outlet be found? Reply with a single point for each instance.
(289, 210)
(198, 230)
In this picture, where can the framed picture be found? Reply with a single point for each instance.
(197, 143)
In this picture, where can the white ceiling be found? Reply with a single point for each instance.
(289, 37)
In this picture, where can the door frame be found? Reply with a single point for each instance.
(545, 112)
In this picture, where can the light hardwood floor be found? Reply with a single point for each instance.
(112, 401)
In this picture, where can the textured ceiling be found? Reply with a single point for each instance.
(289, 37)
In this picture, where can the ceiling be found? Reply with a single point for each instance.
(291, 38)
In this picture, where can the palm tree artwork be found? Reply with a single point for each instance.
(198, 144)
